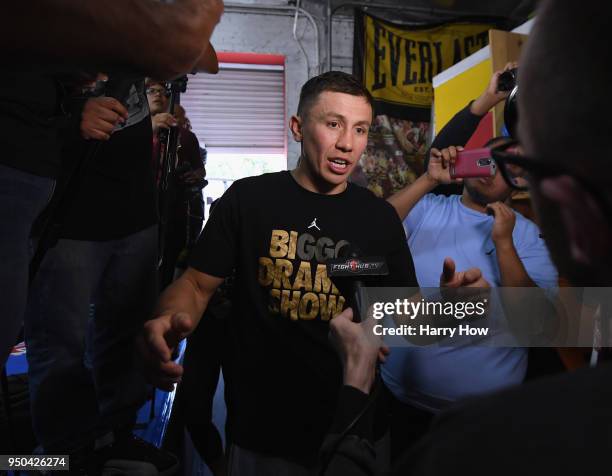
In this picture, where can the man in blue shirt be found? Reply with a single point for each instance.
(477, 230)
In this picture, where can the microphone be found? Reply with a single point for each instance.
(351, 272)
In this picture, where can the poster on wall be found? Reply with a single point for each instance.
(394, 156)
(397, 64)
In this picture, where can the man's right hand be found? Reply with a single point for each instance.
(491, 96)
(470, 285)
(440, 161)
(100, 117)
(451, 278)
(163, 120)
(160, 339)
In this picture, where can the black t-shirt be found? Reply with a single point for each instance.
(30, 123)
(117, 195)
(283, 378)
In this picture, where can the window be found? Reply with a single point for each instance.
(239, 115)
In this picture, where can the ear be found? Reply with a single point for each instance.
(587, 228)
(295, 124)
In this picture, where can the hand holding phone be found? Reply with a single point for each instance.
(440, 162)
(473, 163)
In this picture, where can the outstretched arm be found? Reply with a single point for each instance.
(178, 313)
(463, 124)
(144, 36)
(437, 173)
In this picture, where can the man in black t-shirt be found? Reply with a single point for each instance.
(278, 230)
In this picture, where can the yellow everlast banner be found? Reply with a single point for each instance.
(397, 63)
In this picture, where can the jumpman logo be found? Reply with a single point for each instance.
(314, 225)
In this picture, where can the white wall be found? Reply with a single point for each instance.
(342, 43)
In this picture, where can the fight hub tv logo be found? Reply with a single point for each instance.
(355, 266)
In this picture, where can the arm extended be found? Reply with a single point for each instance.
(165, 40)
(178, 313)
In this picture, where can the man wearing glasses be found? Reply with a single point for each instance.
(560, 425)
(478, 230)
(184, 204)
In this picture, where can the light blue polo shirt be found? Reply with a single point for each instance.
(437, 227)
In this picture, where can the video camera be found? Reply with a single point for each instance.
(507, 80)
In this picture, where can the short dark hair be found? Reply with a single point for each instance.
(333, 81)
(151, 81)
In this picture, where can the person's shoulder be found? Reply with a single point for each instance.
(187, 135)
(367, 197)
(431, 201)
(362, 193)
(247, 192)
(526, 229)
(524, 222)
(378, 210)
(267, 182)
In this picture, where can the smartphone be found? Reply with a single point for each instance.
(473, 163)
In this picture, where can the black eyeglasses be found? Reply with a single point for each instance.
(518, 170)
(160, 91)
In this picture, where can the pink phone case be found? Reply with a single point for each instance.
(473, 163)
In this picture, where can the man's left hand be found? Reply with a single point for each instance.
(503, 226)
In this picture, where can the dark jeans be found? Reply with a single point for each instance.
(71, 403)
(23, 197)
(175, 242)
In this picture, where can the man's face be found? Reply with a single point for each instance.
(550, 211)
(334, 134)
(487, 190)
(158, 101)
(575, 231)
